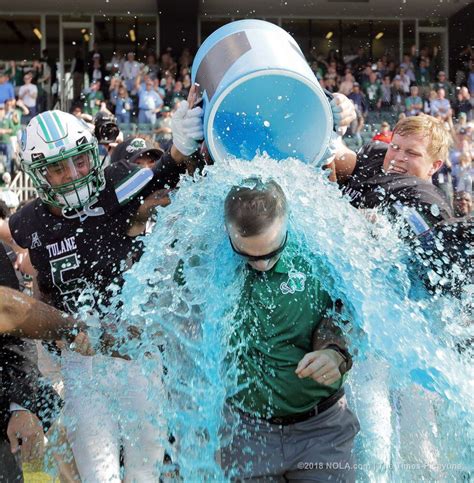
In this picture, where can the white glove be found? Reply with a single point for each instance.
(335, 144)
(187, 128)
(343, 112)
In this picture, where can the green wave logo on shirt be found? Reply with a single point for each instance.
(295, 283)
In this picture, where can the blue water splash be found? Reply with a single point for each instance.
(365, 265)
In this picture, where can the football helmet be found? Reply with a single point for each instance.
(61, 156)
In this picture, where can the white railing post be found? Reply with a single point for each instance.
(23, 186)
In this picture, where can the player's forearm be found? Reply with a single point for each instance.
(344, 161)
(23, 316)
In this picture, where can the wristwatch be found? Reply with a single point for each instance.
(346, 364)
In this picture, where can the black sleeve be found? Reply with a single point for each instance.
(427, 199)
(19, 374)
(446, 244)
(21, 383)
(7, 273)
(127, 184)
(166, 174)
(20, 224)
(369, 161)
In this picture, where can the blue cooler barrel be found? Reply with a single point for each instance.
(260, 95)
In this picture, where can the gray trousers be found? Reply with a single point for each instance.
(318, 449)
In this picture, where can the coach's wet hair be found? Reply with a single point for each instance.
(254, 205)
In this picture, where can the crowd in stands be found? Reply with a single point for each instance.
(142, 93)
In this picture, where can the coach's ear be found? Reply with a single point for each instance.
(436, 166)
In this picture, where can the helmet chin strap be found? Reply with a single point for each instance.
(86, 210)
(82, 214)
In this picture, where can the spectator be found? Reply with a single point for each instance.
(117, 61)
(163, 127)
(7, 194)
(463, 173)
(409, 68)
(5, 133)
(360, 103)
(386, 94)
(470, 78)
(460, 147)
(168, 87)
(385, 134)
(332, 74)
(94, 54)
(168, 64)
(462, 123)
(413, 103)
(186, 85)
(76, 111)
(462, 104)
(423, 76)
(152, 66)
(406, 81)
(130, 72)
(78, 70)
(124, 106)
(373, 92)
(94, 98)
(364, 76)
(179, 93)
(391, 70)
(462, 204)
(348, 83)
(186, 59)
(15, 74)
(36, 72)
(428, 101)
(380, 69)
(329, 84)
(6, 89)
(359, 63)
(14, 110)
(443, 83)
(98, 72)
(115, 83)
(398, 96)
(359, 99)
(441, 106)
(28, 94)
(149, 103)
(52, 81)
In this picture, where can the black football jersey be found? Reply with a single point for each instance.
(77, 259)
(418, 200)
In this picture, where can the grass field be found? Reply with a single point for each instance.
(33, 474)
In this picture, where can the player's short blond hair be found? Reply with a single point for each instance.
(430, 127)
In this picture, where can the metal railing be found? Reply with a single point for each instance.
(23, 187)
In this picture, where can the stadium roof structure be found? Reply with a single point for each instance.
(242, 8)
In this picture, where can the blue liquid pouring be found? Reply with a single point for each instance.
(183, 294)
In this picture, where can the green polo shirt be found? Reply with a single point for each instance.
(277, 315)
(5, 124)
